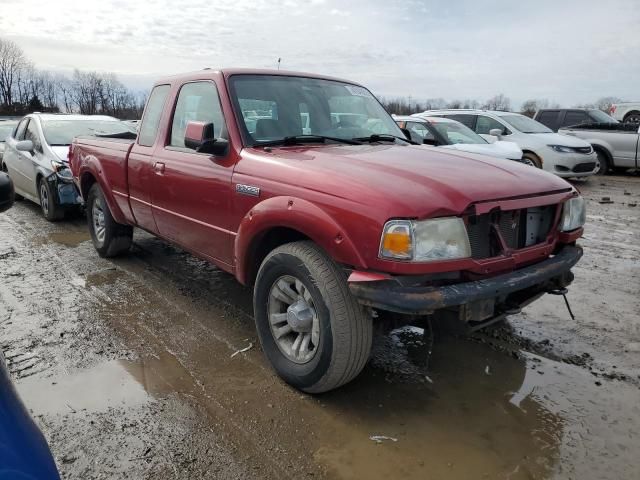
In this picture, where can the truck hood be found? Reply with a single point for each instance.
(506, 150)
(412, 181)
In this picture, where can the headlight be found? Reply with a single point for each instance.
(426, 240)
(561, 148)
(61, 169)
(574, 214)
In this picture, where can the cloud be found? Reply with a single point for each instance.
(571, 52)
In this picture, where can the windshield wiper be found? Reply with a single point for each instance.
(300, 139)
(383, 137)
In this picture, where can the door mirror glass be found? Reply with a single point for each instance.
(24, 146)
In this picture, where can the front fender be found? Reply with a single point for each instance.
(299, 215)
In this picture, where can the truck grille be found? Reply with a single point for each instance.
(518, 228)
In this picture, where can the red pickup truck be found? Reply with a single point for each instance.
(304, 187)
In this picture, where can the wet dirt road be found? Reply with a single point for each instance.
(128, 366)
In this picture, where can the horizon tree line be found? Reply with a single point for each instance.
(25, 89)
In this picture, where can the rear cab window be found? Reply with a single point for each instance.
(153, 112)
(550, 118)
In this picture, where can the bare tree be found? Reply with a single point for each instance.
(498, 102)
(605, 103)
(12, 61)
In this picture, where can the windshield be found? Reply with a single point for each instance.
(6, 129)
(273, 107)
(457, 133)
(525, 124)
(62, 132)
(601, 117)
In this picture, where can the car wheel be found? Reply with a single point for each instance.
(603, 161)
(50, 210)
(313, 331)
(633, 117)
(109, 237)
(532, 159)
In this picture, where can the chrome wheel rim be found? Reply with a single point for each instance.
(293, 319)
(97, 216)
(44, 198)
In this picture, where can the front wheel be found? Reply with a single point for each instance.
(109, 237)
(50, 209)
(312, 329)
(633, 117)
(603, 162)
(532, 159)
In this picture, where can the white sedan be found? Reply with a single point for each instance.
(565, 156)
(446, 133)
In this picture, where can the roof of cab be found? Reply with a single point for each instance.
(227, 72)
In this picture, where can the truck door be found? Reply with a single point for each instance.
(140, 162)
(191, 190)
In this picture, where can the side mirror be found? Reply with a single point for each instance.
(496, 132)
(24, 146)
(430, 141)
(6, 192)
(199, 136)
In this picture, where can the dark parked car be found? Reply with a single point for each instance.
(24, 454)
(557, 118)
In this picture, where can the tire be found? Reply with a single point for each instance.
(632, 117)
(109, 237)
(604, 163)
(340, 331)
(533, 159)
(50, 210)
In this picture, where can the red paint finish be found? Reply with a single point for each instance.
(339, 196)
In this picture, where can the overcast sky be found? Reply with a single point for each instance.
(568, 51)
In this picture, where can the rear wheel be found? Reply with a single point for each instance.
(532, 159)
(312, 329)
(50, 209)
(603, 161)
(109, 237)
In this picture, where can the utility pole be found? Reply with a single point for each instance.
(279, 60)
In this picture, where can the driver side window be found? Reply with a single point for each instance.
(197, 102)
(419, 132)
(485, 124)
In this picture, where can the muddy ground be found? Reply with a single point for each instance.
(128, 367)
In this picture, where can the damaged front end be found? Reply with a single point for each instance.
(61, 182)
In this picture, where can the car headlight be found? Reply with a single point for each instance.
(61, 169)
(425, 240)
(574, 214)
(561, 148)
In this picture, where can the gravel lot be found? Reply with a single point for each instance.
(127, 366)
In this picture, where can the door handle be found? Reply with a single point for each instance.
(159, 168)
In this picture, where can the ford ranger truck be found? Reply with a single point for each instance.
(303, 187)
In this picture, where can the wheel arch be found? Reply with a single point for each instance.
(88, 177)
(281, 220)
(597, 147)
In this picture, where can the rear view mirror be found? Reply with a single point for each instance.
(495, 132)
(6, 192)
(199, 136)
(24, 146)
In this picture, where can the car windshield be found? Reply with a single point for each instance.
(6, 128)
(62, 132)
(600, 117)
(274, 107)
(525, 124)
(455, 132)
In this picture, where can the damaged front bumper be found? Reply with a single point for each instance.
(67, 194)
(504, 291)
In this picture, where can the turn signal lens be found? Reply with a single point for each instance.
(396, 240)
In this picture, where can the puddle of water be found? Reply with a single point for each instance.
(66, 238)
(104, 277)
(97, 389)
